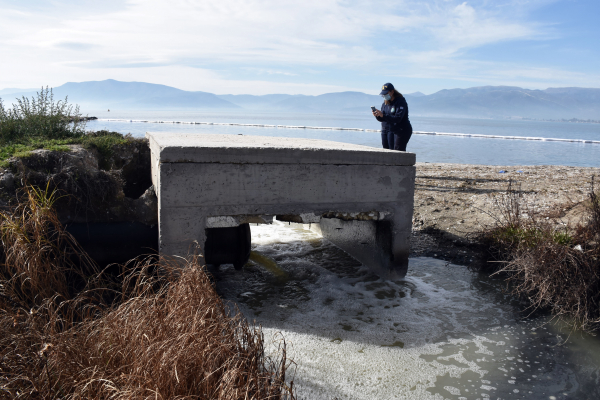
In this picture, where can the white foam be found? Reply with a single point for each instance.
(341, 326)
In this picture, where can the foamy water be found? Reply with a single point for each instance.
(442, 332)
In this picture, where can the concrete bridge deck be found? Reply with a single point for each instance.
(360, 197)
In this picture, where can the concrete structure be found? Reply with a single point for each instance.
(361, 197)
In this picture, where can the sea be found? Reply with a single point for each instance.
(505, 149)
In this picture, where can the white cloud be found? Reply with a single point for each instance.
(465, 27)
(200, 45)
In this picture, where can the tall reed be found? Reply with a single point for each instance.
(159, 331)
(41, 260)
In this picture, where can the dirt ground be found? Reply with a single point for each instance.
(455, 201)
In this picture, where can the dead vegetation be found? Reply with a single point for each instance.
(555, 267)
(70, 331)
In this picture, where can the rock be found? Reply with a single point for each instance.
(7, 181)
(92, 188)
(146, 207)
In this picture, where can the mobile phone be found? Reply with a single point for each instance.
(373, 108)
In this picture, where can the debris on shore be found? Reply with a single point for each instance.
(454, 202)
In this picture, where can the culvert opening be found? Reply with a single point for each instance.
(137, 178)
(228, 246)
(232, 245)
(115, 242)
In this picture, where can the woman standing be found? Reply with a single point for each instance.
(396, 129)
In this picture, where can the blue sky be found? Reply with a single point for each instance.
(302, 47)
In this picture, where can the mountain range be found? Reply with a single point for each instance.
(479, 102)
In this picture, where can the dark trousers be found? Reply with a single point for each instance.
(400, 141)
(387, 140)
(395, 142)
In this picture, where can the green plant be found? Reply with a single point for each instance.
(40, 117)
(562, 238)
(103, 142)
(42, 123)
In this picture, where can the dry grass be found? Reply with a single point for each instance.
(160, 332)
(555, 269)
(40, 259)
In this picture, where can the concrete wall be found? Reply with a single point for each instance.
(202, 178)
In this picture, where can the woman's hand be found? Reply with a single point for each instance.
(377, 113)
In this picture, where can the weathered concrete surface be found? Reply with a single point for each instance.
(354, 191)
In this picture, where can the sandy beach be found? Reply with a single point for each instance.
(455, 201)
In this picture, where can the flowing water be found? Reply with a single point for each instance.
(443, 332)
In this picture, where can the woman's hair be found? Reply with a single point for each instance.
(394, 94)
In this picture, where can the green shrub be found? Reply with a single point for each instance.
(519, 237)
(42, 123)
(562, 238)
(41, 117)
(103, 142)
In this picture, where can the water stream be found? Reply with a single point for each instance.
(443, 332)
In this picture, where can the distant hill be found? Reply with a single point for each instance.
(416, 94)
(508, 101)
(338, 102)
(341, 101)
(479, 102)
(131, 95)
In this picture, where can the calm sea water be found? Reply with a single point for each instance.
(428, 148)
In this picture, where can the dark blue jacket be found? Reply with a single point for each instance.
(395, 117)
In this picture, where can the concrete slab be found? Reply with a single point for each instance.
(240, 149)
(362, 196)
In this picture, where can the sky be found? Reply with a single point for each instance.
(301, 47)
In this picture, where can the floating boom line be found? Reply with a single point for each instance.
(469, 135)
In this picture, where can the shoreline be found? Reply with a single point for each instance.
(453, 202)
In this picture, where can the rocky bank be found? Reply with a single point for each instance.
(93, 187)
